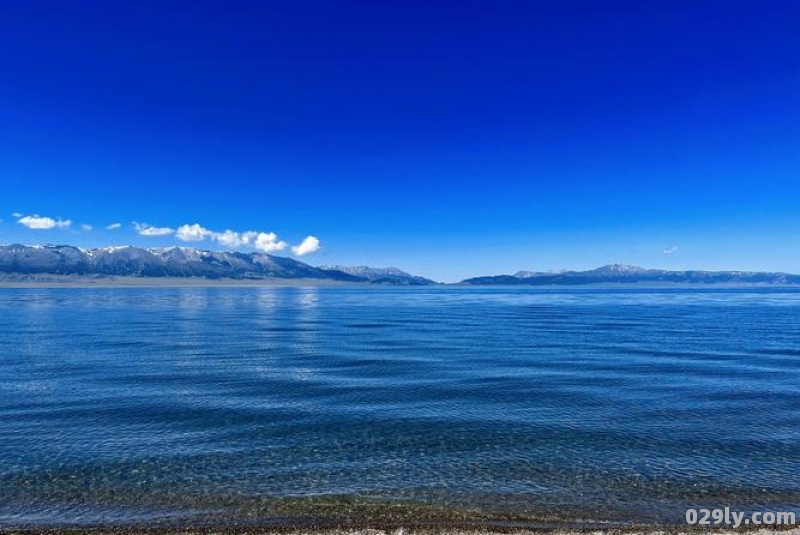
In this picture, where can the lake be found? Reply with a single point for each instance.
(280, 405)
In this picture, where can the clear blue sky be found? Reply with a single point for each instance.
(451, 139)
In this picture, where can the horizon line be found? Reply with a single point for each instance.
(550, 272)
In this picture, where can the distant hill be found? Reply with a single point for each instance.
(620, 273)
(390, 275)
(20, 261)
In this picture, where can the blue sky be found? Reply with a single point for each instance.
(451, 139)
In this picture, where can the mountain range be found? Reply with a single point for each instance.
(31, 263)
(380, 275)
(620, 273)
(21, 262)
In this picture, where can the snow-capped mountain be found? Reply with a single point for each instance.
(389, 274)
(617, 269)
(524, 274)
(621, 273)
(159, 262)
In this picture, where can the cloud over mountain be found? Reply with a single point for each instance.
(232, 240)
(267, 242)
(309, 245)
(148, 230)
(37, 222)
(192, 233)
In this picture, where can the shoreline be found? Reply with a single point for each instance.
(73, 282)
(357, 517)
(179, 282)
(384, 528)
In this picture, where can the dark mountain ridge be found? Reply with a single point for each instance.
(620, 273)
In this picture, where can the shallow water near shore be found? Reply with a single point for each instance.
(296, 405)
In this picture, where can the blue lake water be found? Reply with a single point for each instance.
(202, 404)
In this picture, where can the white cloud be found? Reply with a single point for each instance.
(309, 245)
(233, 239)
(16, 215)
(114, 226)
(86, 228)
(42, 223)
(156, 231)
(192, 233)
(146, 230)
(230, 239)
(268, 242)
(669, 250)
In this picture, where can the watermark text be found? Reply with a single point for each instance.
(707, 517)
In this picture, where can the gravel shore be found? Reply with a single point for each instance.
(428, 530)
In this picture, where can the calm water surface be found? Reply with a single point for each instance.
(145, 405)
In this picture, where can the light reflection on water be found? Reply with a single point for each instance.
(127, 405)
